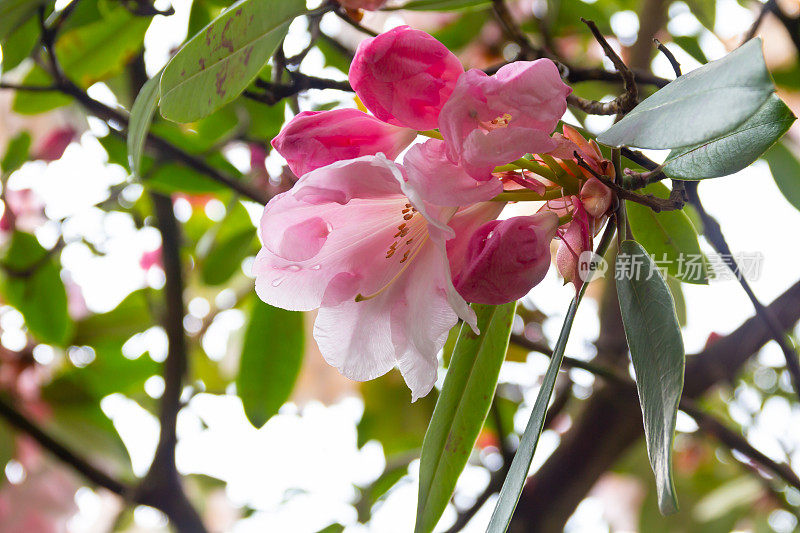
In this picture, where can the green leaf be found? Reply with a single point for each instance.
(17, 153)
(131, 316)
(389, 418)
(785, 168)
(33, 286)
(461, 409)
(8, 445)
(676, 290)
(669, 237)
(174, 177)
(656, 345)
(271, 358)
(144, 107)
(19, 44)
(217, 64)
(225, 256)
(518, 472)
(698, 106)
(736, 149)
(705, 11)
(14, 13)
(87, 54)
(445, 5)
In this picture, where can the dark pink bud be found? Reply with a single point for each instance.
(315, 139)
(53, 145)
(507, 258)
(405, 76)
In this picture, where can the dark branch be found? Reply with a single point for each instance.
(670, 57)
(623, 103)
(59, 450)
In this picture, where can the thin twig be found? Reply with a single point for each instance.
(676, 66)
(623, 103)
(78, 463)
(653, 202)
(528, 50)
(342, 14)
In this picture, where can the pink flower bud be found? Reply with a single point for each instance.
(369, 5)
(596, 197)
(315, 139)
(54, 143)
(507, 258)
(405, 76)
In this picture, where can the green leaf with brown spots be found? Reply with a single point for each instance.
(218, 63)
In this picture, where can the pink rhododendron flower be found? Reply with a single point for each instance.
(150, 259)
(359, 240)
(506, 259)
(404, 77)
(491, 120)
(430, 167)
(578, 238)
(314, 139)
(54, 143)
(369, 5)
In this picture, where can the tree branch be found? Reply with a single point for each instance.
(78, 463)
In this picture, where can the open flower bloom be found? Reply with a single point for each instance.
(314, 139)
(491, 120)
(404, 77)
(506, 259)
(359, 240)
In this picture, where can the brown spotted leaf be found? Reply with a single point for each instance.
(218, 63)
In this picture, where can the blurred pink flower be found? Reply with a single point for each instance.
(596, 197)
(54, 143)
(491, 120)
(42, 503)
(314, 139)
(404, 76)
(24, 210)
(359, 240)
(506, 259)
(150, 259)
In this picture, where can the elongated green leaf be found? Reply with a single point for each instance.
(461, 409)
(518, 472)
(654, 338)
(142, 111)
(445, 5)
(33, 285)
(669, 237)
(698, 106)
(271, 358)
(736, 149)
(785, 168)
(14, 13)
(218, 63)
(16, 153)
(225, 256)
(173, 177)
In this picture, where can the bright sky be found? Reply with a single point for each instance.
(308, 459)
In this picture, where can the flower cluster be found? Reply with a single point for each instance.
(391, 253)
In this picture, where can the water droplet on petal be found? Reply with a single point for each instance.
(316, 267)
(277, 281)
(293, 268)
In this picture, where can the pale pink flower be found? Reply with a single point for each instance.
(404, 77)
(150, 259)
(506, 259)
(575, 240)
(369, 5)
(491, 120)
(359, 240)
(314, 139)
